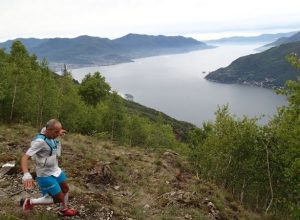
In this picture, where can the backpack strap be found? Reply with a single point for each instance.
(51, 144)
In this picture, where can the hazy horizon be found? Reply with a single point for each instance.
(200, 37)
(202, 20)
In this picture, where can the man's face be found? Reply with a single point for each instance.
(54, 132)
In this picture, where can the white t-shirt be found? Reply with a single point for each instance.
(46, 165)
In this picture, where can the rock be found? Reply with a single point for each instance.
(211, 205)
(8, 169)
(147, 206)
(170, 154)
(180, 197)
(9, 164)
(188, 216)
(206, 201)
(116, 187)
(102, 174)
(2, 194)
(213, 212)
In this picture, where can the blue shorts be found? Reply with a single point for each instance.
(50, 184)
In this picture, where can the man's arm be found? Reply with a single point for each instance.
(27, 178)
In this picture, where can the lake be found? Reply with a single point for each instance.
(175, 85)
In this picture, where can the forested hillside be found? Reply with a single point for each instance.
(89, 51)
(30, 92)
(268, 69)
(257, 165)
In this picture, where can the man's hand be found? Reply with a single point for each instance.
(62, 132)
(28, 181)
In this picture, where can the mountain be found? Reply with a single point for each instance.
(146, 45)
(28, 42)
(268, 69)
(88, 51)
(283, 40)
(264, 38)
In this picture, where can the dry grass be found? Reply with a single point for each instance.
(141, 175)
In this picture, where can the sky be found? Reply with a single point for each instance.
(201, 19)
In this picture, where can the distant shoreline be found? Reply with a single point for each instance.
(57, 67)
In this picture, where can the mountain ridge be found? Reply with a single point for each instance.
(268, 69)
(88, 51)
(250, 39)
(283, 40)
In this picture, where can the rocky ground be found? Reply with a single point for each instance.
(110, 182)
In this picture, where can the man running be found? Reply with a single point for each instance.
(45, 150)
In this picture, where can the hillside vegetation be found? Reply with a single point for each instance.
(130, 166)
(268, 69)
(109, 181)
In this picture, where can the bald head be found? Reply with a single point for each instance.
(53, 129)
(52, 124)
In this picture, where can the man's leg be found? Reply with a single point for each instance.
(65, 189)
(64, 210)
(51, 191)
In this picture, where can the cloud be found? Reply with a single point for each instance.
(113, 18)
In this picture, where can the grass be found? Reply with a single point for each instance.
(142, 175)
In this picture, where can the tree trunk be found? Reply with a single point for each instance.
(40, 105)
(257, 199)
(14, 98)
(270, 180)
(37, 115)
(242, 192)
(41, 116)
(130, 141)
(112, 130)
(225, 182)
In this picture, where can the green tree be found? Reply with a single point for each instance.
(4, 84)
(46, 94)
(160, 134)
(137, 130)
(93, 88)
(20, 66)
(72, 110)
(286, 150)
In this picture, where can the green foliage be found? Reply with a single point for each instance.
(180, 128)
(137, 130)
(259, 165)
(269, 68)
(159, 134)
(93, 88)
(31, 92)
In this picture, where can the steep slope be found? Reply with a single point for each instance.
(117, 182)
(267, 69)
(180, 128)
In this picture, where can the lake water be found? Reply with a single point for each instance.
(175, 85)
